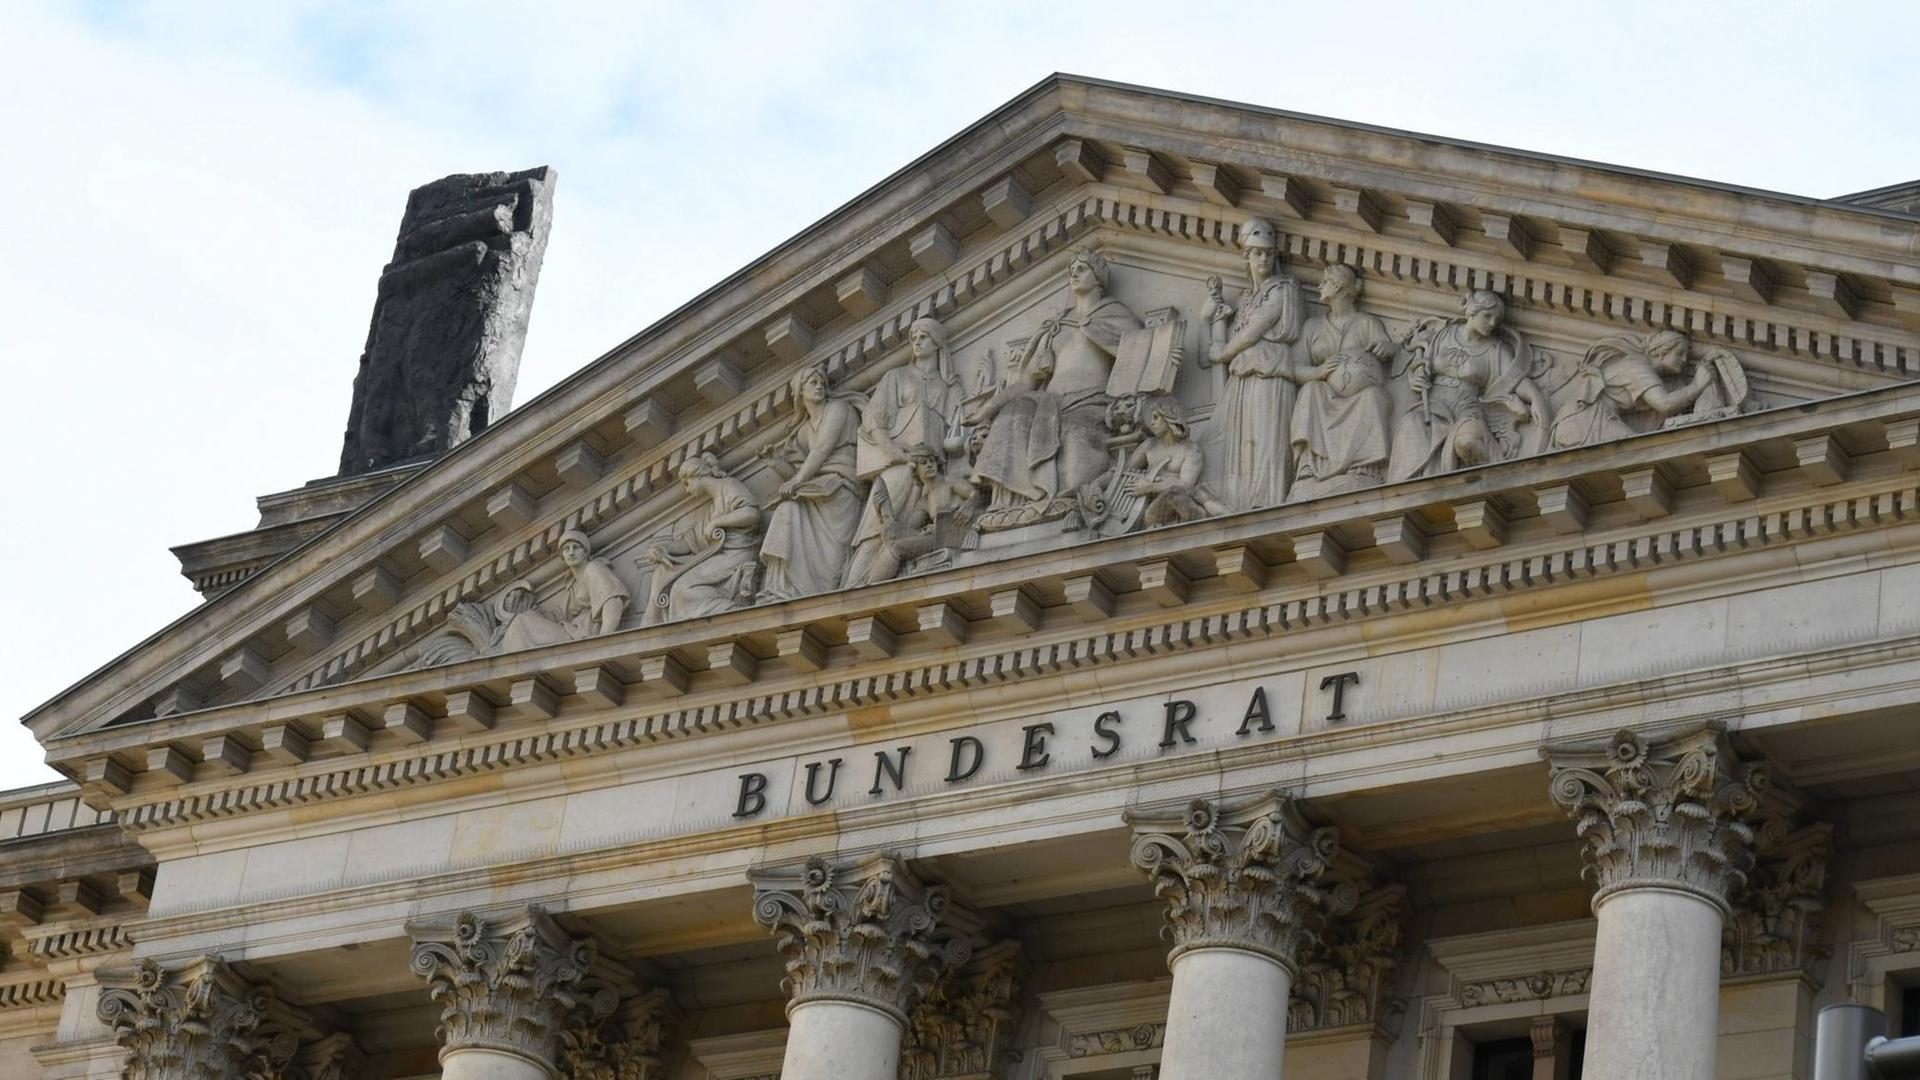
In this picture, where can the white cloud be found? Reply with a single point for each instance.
(199, 196)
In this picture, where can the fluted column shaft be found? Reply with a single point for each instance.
(1245, 892)
(863, 944)
(1666, 844)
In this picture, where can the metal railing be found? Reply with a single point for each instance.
(1850, 1043)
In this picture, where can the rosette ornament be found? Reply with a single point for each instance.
(518, 986)
(1252, 878)
(871, 933)
(1669, 811)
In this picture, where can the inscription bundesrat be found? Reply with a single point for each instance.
(1106, 736)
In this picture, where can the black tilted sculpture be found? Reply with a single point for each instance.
(451, 317)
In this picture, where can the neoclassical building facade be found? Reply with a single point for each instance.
(1157, 587)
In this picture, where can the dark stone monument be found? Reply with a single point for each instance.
(450, 318)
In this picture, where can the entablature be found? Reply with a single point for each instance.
(1385, 556)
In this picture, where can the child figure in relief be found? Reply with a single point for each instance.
(1169, 465)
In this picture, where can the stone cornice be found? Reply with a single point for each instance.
(1133, 629)
(949, 175)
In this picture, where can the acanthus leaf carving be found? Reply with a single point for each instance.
(1670, 811)
(518, 986)
(1252, 877)
(199, 1019)
(871, 933)
(1346, 976)
(630, 1045)
(1778, 916)
(965, 1025)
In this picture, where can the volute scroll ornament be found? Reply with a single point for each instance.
(197, 1020)
(1667, 812)
(520, 986)
(871, 933)
(1253, 878)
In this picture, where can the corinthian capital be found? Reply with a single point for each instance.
(198, 1019)
(1667, 812)
(519, 986)
(869, 933)
(1252, 877)
(629, 1046)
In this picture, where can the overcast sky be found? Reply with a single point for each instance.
(199, 197)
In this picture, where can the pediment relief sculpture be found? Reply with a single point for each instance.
(1085, 425)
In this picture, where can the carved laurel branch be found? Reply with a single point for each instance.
(517, 989)
(1669, 813)
(1252, 879)
(871, 935)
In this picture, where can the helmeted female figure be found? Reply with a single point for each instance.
(1257, 401)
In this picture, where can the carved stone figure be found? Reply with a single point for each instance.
(1478, 398)
(595, 603)
(1165, 469)
(1629, 374)
(444, 345)
(1257, 348)
(709, 569)
(1343, 415)
(936, 519)
(1046, 421)
(915, 404)
(817, 508)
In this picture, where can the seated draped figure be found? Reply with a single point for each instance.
(711, 566)
(1477, 395)
(1046, 432)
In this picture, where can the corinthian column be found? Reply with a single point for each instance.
(1666, 844)
(1245, 893)
(512, 993)
(863, 945)
(198, 1020)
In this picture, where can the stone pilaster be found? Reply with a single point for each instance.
(1346, 977)
(629, 1045)
(1251, 878)
(1779, 915)
(964, 1028)
(519, 986)
(1669, 812)
(198, 1019)
(871, 934)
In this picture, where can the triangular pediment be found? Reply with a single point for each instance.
(1634, 306)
